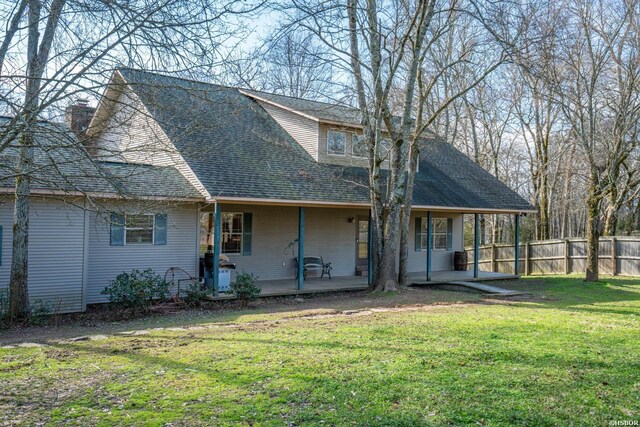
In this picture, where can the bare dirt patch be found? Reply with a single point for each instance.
(100, 321)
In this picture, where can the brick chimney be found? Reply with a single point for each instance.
(78, 115)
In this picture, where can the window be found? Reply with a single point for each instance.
(359, 146)
(138, 229)
(134, 229)
(231, 233)
(336, 143)
(441, 231)
(236, 233)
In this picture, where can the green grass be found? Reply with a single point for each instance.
(570, 355)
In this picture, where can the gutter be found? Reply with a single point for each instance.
(366, 205)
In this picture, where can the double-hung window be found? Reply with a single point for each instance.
(231, 233)
(138, 229)
(336, 143)
(359, 146)
(441, 233)
(235, 236)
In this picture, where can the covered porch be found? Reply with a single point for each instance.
(272, 241)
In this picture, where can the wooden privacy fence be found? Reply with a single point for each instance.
(617, 256)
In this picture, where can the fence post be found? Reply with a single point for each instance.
(567, 267)
(614, 256)
(526, 258)
(493, 258)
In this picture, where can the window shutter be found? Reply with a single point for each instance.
(418, 233)
(117, 230)
(449, 234)
(0, 245)
(160, 229)
(247, 219)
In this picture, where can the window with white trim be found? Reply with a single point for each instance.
(138, 229)
(359, 146)
(336, 143)
(231, 233)
(440, 234)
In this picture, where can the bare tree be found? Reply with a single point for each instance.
(64, 58)
(298, 66)
(584, 64)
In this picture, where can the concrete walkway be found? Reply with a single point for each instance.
(461, 286)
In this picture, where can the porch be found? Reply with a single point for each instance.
(313, 285)
(272, 242)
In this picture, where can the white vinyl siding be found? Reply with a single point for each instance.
(106, 261)
(441, 260)
(328, 233)
(304, 130)
(56, 252)
(131, 135)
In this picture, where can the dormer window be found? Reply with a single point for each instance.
(359, 146)
(336, 143)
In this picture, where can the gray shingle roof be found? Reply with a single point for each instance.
(237, 149)
(62, 164)
(319, 110)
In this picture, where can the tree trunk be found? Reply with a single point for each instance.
(593, 235)
(405, 222)
(37, 56)
(611, 221)
(386, 280)
(404, 246)
(18, 290)
(544, 207)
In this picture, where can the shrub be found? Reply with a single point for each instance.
(40, 312)
(4, 303)
(194, 294)
(136, 290)
(245, 288)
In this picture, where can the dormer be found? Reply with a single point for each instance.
(329, 133)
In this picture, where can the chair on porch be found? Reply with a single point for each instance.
(314, 263)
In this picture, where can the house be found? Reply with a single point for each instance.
(172, 161)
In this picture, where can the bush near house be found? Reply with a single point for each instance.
(194, 294)
(136, 290)
(245, 288)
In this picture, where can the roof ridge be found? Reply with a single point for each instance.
(186, 79)
(238, 88)
(301, 99)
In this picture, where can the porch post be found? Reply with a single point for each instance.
(476, 244)
(369, 251)
(300, 247)
(516, 263)
(429, 244)
(216, 247)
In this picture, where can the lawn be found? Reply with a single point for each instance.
(568, 355)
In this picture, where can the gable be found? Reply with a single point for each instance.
(123, 130)
(304, 130)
